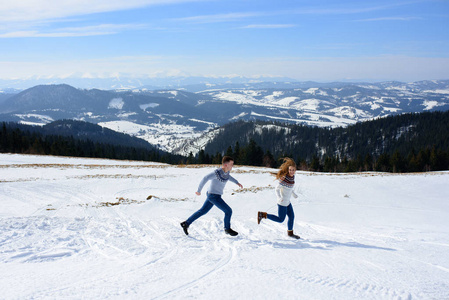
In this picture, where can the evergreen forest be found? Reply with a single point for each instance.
(25, 139)
(412, 142)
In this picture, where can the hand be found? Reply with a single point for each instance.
(241, 186)
(198, 193)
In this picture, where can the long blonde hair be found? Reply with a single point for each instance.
(283, 170)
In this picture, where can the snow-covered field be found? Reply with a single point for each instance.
(100, 229)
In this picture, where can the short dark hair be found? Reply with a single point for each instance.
(226, 159)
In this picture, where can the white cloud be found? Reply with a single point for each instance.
(335, 10)
(348, 10)
(218, 18)
(103, 29)
(33, 10)
(268, 26)
(389, 19)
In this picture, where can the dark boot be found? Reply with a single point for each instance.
(291, 234)
(185, 226)
(260, 216)
(231, 232)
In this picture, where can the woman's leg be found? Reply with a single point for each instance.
(282, 212)
(291, 217)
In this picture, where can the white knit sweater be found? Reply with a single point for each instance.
(284, 193)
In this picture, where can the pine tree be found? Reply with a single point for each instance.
(368, 162)
(201, 157)
(397, 163)
(229, 152)
(190, 159)
(315, 164)
(268, 160)
(236, 154)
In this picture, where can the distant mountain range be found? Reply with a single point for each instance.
(123, 81)
(181, 120)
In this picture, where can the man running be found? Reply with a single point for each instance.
(218, 180)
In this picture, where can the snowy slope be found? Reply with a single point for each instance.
(166, 137)
(101, 229)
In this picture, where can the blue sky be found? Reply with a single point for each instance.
(304, 40)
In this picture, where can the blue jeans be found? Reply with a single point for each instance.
(282, 212)
(211, 200)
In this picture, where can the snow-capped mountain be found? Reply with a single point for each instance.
(128, 81)
(175, 120)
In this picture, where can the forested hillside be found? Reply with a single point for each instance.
(404, 143)
(80, 139)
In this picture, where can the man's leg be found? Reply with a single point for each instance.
(201, 212)
(219, 202)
